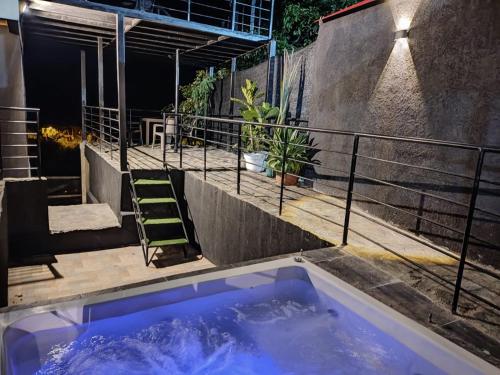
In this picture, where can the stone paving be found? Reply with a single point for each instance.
(78, 273)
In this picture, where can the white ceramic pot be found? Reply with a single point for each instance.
(170, 126)
(254, 161)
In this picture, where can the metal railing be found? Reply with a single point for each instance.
(101, 127)
(248, 16)
(20, 150)
(208, 131)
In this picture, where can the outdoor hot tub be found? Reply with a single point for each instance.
(279, 317)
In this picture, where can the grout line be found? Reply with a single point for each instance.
(394, 281)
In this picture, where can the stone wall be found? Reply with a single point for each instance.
(441, 82)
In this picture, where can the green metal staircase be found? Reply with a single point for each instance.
(157, 213)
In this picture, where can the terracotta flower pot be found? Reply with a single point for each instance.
(289, 180)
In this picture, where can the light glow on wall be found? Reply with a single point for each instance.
(403, 23)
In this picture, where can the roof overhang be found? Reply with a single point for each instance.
(81, 23)
(349, 10)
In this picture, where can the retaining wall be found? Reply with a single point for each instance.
(4, 247)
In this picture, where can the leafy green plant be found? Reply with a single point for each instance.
(296, 150)
(296, 141)
(254, 137)
(295, 26)
(197, 94)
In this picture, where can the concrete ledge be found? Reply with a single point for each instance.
(4, 249)
(231, 230)
(99, 239)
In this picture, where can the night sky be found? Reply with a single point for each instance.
(52, 75)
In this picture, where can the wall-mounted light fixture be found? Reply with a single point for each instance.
(400, 34)
(403, 25)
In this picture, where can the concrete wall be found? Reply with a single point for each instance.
(299, 100)
(28, 223)
(12, 94)
(442, 82)
(230, 230)
(4, 247)
(106, 184)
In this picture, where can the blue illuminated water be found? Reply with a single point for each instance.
(287, 327)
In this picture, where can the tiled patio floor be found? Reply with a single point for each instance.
(79, 273)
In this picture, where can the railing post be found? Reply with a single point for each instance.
(178, 126)
(100, 89)
(238, 176)
(271, 19)
(232, 80)
(39, 144)
(164, 150)
(233, 24)
(271, 72)
(110, 134)
(189, 11)
(205, 149)
(350, 189)
(283, 167)
(129, 128)
(252, 17)
(468, 226)
(120, 72)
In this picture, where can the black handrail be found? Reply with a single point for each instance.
(191, 121)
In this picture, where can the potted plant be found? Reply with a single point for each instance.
(296, 141)
(254, 137)
(296, 154)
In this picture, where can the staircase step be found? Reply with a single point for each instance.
(170, 220)
(155, 200)
(175, 241)
(147, 181)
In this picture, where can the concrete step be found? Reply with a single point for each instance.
(88, 227)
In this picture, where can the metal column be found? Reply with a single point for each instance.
(120, 75)
(271, 71)
(83, 75)
(83, 166)
(100, 88)
(230, 127)
(177, 131)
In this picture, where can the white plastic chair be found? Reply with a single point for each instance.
(158, 132)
